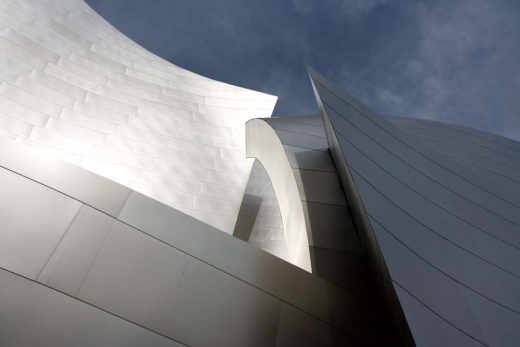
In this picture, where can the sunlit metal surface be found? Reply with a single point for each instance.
(403, 232)
(132, 271)
(73, 84)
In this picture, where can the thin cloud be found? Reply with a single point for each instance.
(456, 61)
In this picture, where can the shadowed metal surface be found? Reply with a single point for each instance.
(139, 261)
(315, 208)
(259, 221)
(334, 249)
(447, 229)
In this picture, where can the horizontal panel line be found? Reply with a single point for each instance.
(461, 147)
(91, 305)
(438, 315)
(454, 279)
(506, 142)
(473, 163)
(185, 252)
(462, 137)
(412, 147)
(422, 196)
(425, 174)
(436, 232)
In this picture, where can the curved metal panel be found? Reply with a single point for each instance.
(259, 220)
(264, 144)
(448, 232)
(73, 84)
(152, 266)
(335, 251)
(486, 156)
(296, 152)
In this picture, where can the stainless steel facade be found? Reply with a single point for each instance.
(124, 269)
(74, 85)
(122, 177)
(444, 226)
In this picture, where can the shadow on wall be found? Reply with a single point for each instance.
(334, 246)
(259, 220)
(150, 258)
(247, 216)
(335, 250)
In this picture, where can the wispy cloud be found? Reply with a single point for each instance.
(340, 7)
(452, 60)
(463, 66)
(468, 63)
(356, 7)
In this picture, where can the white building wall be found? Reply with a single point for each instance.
(73, 84)
(259, 221)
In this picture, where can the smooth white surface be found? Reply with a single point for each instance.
(259, 220)
(28, 233)
(73, 84)
(264, 144)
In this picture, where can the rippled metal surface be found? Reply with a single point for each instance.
(73, 84)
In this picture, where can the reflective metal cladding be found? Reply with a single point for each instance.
(74, 85)
(446, 225)
(129, 214)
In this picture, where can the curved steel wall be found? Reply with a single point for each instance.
(72, 83)
(264, 144)
(259, 221)
(492, 156)
(89, 262)
(439, 205)
(306, 180)
(448, 230)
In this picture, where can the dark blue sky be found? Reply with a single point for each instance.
(456, 61)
